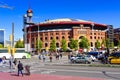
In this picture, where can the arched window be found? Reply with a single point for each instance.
(32, 45)
(46, 38)
(57, 38)
(51, 38)
(80, 37)
(69, 37)
(91, 44)
(63, 37)
(41, 38)
(95, 37)
(90, 37)
(46, 45)
(68, 44)
(57, 45)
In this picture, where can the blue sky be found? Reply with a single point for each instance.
(100, 11)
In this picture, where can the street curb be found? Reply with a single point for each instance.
(88, 65)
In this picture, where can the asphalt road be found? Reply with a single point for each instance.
(40, 67)
(107, 73)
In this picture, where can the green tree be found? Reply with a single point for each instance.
(97, 44)
(63, 45)
(53, 45)
(103, 43)
(118, 44)
(38, 45)
(107, 43)
(74, 44)
(112, 45)
(84, 43)
(19, 44)
(1, 46)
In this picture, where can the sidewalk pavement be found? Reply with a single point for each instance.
(13, 76)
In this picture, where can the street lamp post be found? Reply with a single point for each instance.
(93, 34)
(11, 47)
(38, 38)
(10, 37)
(25, 32)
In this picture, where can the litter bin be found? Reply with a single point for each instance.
(27, 69)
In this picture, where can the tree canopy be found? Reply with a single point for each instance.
(19, 44)
(84, 43)
(118, 44)
(38, 45)
(103, 43)
(112, 45)
(97, 44)
(53, 45)
(63, 45)
(1, 46)
(73, 44)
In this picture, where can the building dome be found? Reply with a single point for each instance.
(66, 20)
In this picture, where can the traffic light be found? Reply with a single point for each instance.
(9, 51)
(10, 38)
(13, 51)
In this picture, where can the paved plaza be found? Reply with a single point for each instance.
(13, 76)
(56, 70)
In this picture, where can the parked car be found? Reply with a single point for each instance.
(81, 59)
(74, 57)
(90, 58)
(114, 58)
(93, 53)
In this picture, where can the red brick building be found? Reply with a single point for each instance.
(116, 36)
(65, 29)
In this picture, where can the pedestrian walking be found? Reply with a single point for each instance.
(50, 57)
(68, 56)
(39, 56)
(11, 62)
(15, 61)
(60, 55)
(27, 68)
(20, 68)
(43, 56)
(57, 56)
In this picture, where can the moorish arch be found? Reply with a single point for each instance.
(69, 44)
(80, 37)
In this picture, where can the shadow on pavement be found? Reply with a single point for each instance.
(104, 72)
(14, 74)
